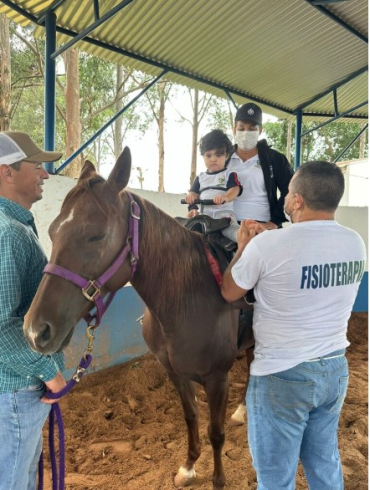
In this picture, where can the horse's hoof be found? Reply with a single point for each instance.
(237, 417)
(184, 477)
(234, 422)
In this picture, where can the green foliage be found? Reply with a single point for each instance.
(326, 143)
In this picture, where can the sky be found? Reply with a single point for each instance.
(177, 147)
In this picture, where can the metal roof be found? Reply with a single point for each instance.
(282, 54)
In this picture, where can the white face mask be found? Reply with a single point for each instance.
(247, 140)
(289, 216)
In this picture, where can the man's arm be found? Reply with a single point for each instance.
(229, 289)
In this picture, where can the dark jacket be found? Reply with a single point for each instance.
(277, 173)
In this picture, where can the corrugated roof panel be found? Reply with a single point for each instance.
(283, 53)
(354, 13)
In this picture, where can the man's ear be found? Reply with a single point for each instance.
(299, 202)
(6, 172)
(260, 128)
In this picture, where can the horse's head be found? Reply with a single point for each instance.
(87, 236)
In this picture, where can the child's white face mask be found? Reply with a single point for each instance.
(247, 140)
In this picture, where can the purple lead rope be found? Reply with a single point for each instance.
(55, 418)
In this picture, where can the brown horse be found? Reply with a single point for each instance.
(187, 325)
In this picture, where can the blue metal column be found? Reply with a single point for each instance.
(298, 139)
(50, 97)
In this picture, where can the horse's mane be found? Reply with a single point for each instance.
(173, 259)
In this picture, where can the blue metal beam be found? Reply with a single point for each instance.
(50, 94)
(232, 100)
(326, 114)
(350, 144)
(96, 10)
(335, 100)
(298, 139)
(336, 117)
(93, 26)
(106, 125)
(339, 21)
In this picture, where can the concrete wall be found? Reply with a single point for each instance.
(356, 176)
(119, 337)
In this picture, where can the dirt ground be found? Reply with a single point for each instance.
(125, 430)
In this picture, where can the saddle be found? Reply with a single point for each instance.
(207, 226)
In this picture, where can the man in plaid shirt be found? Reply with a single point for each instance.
(24, 374)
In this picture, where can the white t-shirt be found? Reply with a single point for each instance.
(253, 203)
(305, 281)
(212, 184)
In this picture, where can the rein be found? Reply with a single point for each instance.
(91, 289)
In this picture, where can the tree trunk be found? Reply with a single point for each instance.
(119, 105)
(195, 126)
(328, 144)
(362, 145)
(162, 102)
(5, 74)
(73, 122)
(289, 140)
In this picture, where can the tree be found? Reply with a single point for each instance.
(5, 74)
(72, 114)
(157, 97)
(326, 143)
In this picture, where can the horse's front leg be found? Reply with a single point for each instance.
(217, 389)
(185, 388)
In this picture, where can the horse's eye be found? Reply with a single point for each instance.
(97, 238)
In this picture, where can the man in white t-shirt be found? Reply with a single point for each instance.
(305, 279)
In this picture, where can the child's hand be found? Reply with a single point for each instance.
(192, 213)
(190, 198)
(220, 199)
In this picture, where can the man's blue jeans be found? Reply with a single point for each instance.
(22, 416)
(294, 415)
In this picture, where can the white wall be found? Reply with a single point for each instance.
(57, 187)
(356, 175)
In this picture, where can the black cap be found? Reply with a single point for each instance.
(249, 112)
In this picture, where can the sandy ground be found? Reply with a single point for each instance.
(125, 430)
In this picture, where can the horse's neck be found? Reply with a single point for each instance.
(172, 260)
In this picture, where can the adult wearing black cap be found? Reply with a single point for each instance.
(261, 170)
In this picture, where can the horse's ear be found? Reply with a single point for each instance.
(120, 175)
(87, 170)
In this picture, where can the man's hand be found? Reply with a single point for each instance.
(54, 385)
(245, 234)
(259, 227)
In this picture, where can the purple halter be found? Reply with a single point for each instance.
(91, 288)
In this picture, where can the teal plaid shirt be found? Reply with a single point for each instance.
(21, 264)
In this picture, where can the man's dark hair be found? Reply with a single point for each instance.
(321, 184)
(216, 140)
(17, 165)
